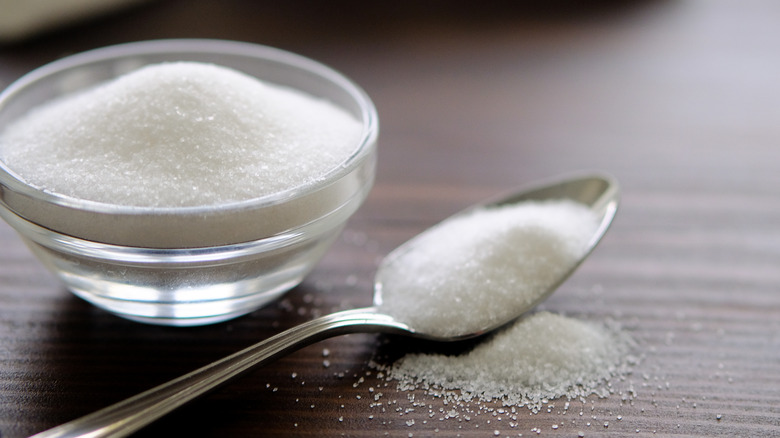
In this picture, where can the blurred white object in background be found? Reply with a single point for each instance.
(20, 19)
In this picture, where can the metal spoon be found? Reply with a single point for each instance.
(600, 193)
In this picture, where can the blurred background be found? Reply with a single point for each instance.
(680, 100)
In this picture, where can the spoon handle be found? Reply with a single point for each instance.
(126, 417)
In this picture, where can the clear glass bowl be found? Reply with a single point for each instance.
(187, 265)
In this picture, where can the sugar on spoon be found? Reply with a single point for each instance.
(599, 193)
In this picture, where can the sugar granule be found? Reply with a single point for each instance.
(179, 134)
(483, 268)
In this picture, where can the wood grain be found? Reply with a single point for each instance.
(679, 100)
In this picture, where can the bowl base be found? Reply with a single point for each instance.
(188, 313)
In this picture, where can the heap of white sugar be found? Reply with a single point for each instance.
(179, 134)
(481, 269)
(539, 358)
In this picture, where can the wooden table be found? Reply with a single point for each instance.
(679, 100)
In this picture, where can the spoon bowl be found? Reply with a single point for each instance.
(599, 193)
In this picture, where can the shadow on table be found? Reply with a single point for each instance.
(86, 359)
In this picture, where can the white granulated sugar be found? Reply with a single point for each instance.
(179, 134)
(475, 271)
(541, 357)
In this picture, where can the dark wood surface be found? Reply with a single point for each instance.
(679, 100)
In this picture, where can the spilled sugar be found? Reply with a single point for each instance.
(539, 358)
(383, 402)
(179, 134)
(481, 269)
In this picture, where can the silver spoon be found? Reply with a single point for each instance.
(599, 193)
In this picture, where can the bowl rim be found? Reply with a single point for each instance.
(364, 148)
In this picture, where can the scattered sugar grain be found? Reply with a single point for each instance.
(179, 134)
(480, 269)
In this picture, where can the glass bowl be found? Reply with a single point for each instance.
(187, 265)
